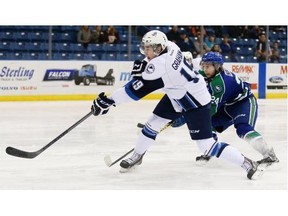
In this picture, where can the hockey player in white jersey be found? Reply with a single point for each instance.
(185, 94)
(194, 62)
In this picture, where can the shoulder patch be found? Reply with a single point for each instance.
(150, 69)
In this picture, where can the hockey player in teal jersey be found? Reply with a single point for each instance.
(233, 103)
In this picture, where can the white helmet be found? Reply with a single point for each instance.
(188, 56)
(154, 38)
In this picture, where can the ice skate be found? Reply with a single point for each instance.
(202, 160)
(127, 164)
(269, 159)
(254, 170)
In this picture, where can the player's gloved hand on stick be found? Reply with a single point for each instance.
(101, 104)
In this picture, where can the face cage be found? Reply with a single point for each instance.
(154, 48)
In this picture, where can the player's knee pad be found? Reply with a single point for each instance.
(243, 129)
(154, 125)
(211, 147)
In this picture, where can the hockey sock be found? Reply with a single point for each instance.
(143, 143)
(232, 155)
(220, 150)
(257, 142)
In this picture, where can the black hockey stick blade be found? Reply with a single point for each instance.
(30, 155)
(19, 153)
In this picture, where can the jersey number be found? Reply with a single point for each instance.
(214, 100)
(137, 84)
(188, 76)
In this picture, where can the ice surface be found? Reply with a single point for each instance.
(76, 160)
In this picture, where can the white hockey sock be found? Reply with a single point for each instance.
(151, 129)
(229, 153)
(257, 142)
(143, 143)
(232, 155)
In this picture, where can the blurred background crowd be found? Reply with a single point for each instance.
(121, 43)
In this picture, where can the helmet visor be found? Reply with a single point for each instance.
(147, 47)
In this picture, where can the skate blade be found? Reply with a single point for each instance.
(201, 163)
(124, 170)
(273, 165)
(260, 171)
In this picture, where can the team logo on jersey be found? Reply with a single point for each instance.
(150, 68)
(218, 88)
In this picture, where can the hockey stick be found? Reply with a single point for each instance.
(140, 125)
(107, 158)
(108, 161)
(23, 154)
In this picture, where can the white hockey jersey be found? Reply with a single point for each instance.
(171, 73)
(196, 63)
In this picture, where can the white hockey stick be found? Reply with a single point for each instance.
(108, 161)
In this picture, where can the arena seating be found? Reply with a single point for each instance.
(32, 43)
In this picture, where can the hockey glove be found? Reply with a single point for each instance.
(178, 122)
(101, 104)
(138, 68)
